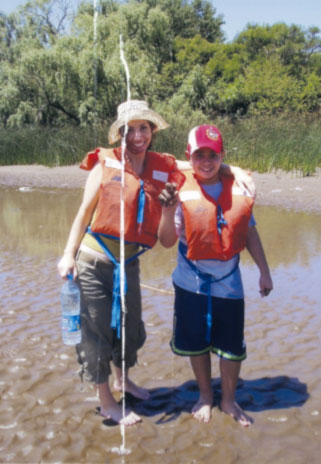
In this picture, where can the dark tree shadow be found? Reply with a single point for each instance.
(262, 394)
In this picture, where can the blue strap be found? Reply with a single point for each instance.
(208, 280)
(116, 301)
(141, 203)
(220, 219)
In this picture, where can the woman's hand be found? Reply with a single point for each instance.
(67, 265)
(242, 178)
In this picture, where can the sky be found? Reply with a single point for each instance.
(238, 13)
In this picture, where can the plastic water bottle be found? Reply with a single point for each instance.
(70, 309)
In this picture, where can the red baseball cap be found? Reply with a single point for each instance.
(204, 136)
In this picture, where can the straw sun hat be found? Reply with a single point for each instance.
(130, 111)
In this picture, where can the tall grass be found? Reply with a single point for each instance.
(261, 144)
(270, 143)
(48, 146)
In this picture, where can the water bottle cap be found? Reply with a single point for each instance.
(70, 277)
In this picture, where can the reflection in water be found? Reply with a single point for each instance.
(37, 222)
(47, 415)
(288, 237)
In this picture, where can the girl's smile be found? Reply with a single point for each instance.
(206, 164)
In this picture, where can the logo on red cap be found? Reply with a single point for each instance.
(211, 134)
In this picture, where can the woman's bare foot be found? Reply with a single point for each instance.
(202, 411)
(234, 410)
(116, 414)
(130, 387)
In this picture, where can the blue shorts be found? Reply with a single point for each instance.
(189, 332)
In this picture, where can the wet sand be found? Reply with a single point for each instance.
(48, 416)
(287, 190)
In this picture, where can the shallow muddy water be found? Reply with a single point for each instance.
(48, 416)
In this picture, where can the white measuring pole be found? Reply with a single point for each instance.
(95, 72)
(122, 240)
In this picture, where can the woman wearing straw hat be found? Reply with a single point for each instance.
(92, 253)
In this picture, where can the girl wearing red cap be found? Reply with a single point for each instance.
(214, 223)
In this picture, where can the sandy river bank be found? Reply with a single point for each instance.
(287, 190)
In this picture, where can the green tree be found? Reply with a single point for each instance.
(269, 88)
(56, 71)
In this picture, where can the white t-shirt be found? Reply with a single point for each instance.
(185, 277)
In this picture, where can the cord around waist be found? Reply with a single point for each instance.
(89, 255)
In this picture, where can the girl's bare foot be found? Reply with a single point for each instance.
(116, 414)
(130, 387)
(234, 410)
(202, 411)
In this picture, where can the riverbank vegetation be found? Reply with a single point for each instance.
(262, 144)
(62, 78)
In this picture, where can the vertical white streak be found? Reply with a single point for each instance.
(95, 72)
(123, 60)
(122, 240)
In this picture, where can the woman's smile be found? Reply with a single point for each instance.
(139, 136)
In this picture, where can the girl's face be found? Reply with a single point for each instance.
(206, 164)
(139, 136)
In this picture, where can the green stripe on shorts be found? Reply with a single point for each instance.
(229, 356)
(189, 353)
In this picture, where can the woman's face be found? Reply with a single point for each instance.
(139, 136)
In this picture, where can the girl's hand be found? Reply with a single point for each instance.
(169, 195)
(266, 285)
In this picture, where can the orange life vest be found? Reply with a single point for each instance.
(214, 229)
(159, 168)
